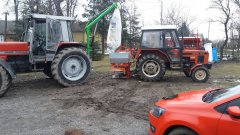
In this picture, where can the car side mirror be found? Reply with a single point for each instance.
(234, 111)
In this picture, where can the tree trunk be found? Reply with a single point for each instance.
(238, 44)
(103, 44)
(16, 3)
(57, 4)
(226, 40)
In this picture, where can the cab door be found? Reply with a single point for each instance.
(53, 37)
(229, 125)
(172, 47)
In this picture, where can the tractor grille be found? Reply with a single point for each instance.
(200, 59)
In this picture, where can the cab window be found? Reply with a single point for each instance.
(152, 39)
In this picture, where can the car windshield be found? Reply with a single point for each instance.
(219, 94)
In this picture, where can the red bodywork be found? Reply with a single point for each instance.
(13, 49)
(188, 110)
(124, 68)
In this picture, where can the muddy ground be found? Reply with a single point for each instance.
(36, 105)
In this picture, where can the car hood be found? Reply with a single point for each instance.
(183, 98)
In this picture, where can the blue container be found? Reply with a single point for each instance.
(214, 53)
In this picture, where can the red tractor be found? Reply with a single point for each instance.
(47, 46)
(160, 49)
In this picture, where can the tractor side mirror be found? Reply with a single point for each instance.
(234, 111)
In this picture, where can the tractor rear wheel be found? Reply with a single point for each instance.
(5, 81)
(200, 74)
(151, 67)
(70, 67)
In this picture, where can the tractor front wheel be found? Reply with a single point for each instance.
(71, 66)
(200, 74)
(5, 81)
(151, 67)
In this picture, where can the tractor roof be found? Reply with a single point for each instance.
(44, 16)
(160, 27)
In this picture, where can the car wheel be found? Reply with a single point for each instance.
(182, 131)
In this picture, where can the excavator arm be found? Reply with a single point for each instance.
(93, 22)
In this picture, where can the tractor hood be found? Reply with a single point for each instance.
(189, 51)
(14, 48)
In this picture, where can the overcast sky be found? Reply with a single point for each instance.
(150, 13)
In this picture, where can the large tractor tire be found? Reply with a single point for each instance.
(151, 67)
(47, 70)
(5, 81)
(182, 131)
(71, 66)
(200, 74)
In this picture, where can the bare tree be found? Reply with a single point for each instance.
(177, 15)
(52, 7)
(70, 7)
(16, 5)
(173, 15)
(16, 8)
(57, 4)
(237, 3)
(224, 7)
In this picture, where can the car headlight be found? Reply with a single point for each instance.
(157, 111)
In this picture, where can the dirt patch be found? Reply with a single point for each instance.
(100, 106)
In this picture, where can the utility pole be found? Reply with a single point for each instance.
(5, 32)
(209, 25)
(161, 12)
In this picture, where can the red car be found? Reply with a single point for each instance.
(203, 112)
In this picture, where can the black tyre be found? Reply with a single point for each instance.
(182, 131)
(200, 74)
(71, 66)
(47, 70)
(5, 81)
(187, 74)
(150, 67)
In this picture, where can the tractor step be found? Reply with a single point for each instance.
(176, 66)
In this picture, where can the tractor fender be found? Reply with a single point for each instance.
(197, 65)
(8, 68)
(63, 45)
(163, 55)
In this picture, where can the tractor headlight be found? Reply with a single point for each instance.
(157, 111)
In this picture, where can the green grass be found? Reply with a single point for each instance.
(101, 66)
(226, 69)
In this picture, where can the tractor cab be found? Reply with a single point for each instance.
(44, 33)
(165, 40)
